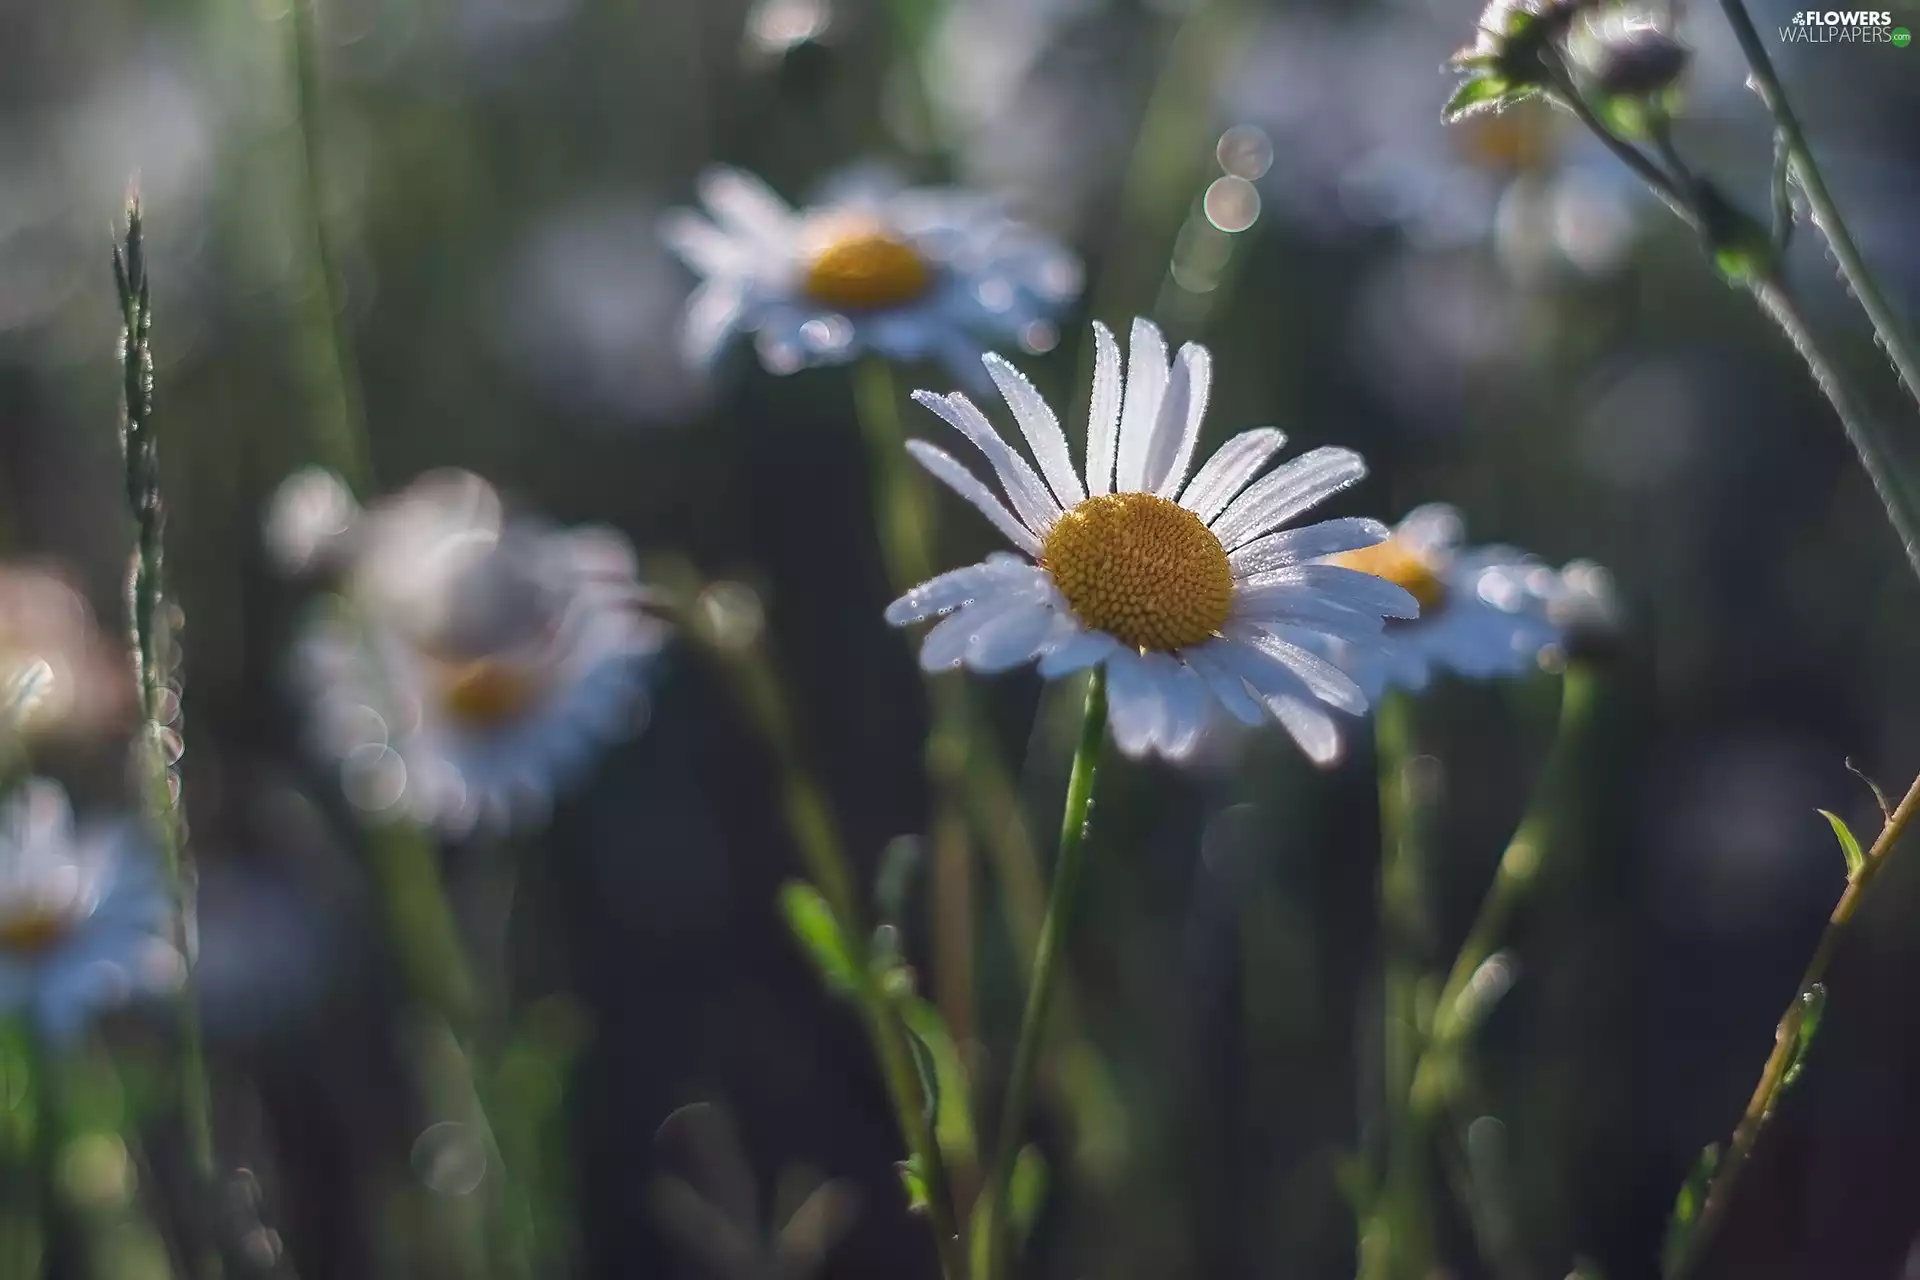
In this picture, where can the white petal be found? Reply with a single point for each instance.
(1231, 468)
(1301, 484)
(702, 246)
(1030, 498)
(746, 205)
(1134, 702)
(1324, 680)
(957, 586)
(1230, 689)
(1312, 728)
(1077, 652)
(1010, 639)
(1185, 705)
(1366, 592)
(1181, 414)
(948, 642)
(968, 486)
(1276, 607)
(1042, 429)
(711, 313)
(1269, 677)
(1103, 411)
(1310, 542)
(1147, 376)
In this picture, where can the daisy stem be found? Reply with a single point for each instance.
(1397, 1235)
(1826, 213)
(811, 822)
(153, 660)
(1786, 1039)
(1074, 823)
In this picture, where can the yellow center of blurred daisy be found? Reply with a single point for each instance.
(33, 930)
(489, 692)
(1401, 565)
(1142, 569)
(861, 267)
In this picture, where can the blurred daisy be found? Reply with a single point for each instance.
(479, 662)
(1179, 583)
(907, 273)
(84, 915)
(76, 683)
(1483, 612)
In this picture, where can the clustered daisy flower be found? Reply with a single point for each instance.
(84, 915)
(1185, 585)
(476, 661)
(906, 273)
(1483, 610)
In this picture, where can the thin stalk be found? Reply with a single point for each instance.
(1773, 1074)
(1826, 213)
(1398, 1234)
(811, 822)
(153, 676)
(1074, 822)
(1454, 1016)
(342, 430)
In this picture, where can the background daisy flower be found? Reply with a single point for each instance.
(1483, 611)
(480, 660)
(907, 273)
(84, 915)
(1184, 589)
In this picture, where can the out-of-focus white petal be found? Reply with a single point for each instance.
(1230, 689)
(1313, 729)
(746, 205)
(1135, 702)
(1324, 680)
(1365, 592)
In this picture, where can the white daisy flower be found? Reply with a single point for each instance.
(480, 661)
(1483, 611)
(1182, 588)
(85, 917)
(910, 274)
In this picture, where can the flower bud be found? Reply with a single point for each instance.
(1633, 56)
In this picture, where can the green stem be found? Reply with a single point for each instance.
(1773, 1075)
(1074, 822)
(1455, 1015)
(810, 820)
(146, 601)
(343, 431)
(1826, 214)
(1398, 1236)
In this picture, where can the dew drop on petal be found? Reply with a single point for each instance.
(1232, 204)
(450, 1158)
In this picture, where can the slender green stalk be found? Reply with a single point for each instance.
(155, 681)
(342, 429)
(1074, 823)
(1455, 1015)
(812, 824)
(1826, 213)
(1773, 1075)
(1397, 1239)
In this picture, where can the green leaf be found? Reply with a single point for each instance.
(1027, 1191)
(1481, 93)
(1812, 1004)
(1692, 1198)
(1848, 845)
(899, 862)
(914, 1183)
(948, 1089)
(818, 932)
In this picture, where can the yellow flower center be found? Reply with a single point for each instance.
(486, 693)
(1401, 565)
(33, 929)
(859, 266)
(1142, 569)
